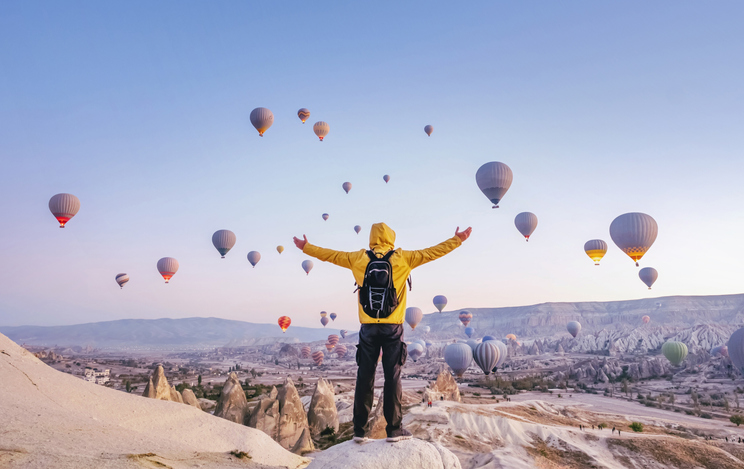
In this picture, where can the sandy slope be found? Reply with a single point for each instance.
(51, 419)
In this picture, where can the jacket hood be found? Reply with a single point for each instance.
(381, 237)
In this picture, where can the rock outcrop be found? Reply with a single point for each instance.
(158, 388)
(189, 398)
(412, 453)
(149, 390)
(232, 404)
(265, 416)
(175, 395)
(444, 388)
(322, 412)
(292, 417)
(304, 444)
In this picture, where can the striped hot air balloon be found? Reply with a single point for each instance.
(414, 316)
(634, 233)
(167, 266)
(329, 347)
(303, 114)
(486, 355)
(494, 179)
(64, 207)
(284, 323)
(321, 129)
(595, 249)
(333, 339)
(465, 317)
(340, 350)
(121, 279)
(323, 314)
(262, 119)
(223, 241)
(305, 351)
(318, 357)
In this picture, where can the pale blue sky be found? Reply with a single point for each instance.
(141, 110)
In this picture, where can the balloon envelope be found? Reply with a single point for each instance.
(595, 249)
(503, 352)
(343, 333)
(254, 257)
(648, 275)
(415, 351)
(440, 301)
(305, 351)
(386, 178)
(465, 317)
(634, 233)
(494, 179)
(429, 129)
(321, 129)
(323, 314)
(489, 337)
(675, 352)
(325, 216)
(280, 249)
(333, 339)
(303, 114)
(340, 350)
(223, 241)
(346, 186)
(121, 279)
(333, 316)
(167, 266)
(469, 331)
(526, 222)
(486, 355)
(324, 321)
(646, 319)
(357, 229)
(318, 357)
(284, 323)
(511, 337)
(262, 119)
(414, 316)
(458, 356)
(307, 266)
(573, 328)
(64, 207)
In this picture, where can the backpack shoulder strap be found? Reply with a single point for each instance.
(389, 254)
(372, 255)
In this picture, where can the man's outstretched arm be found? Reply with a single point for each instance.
(341, 259)
(422, 256)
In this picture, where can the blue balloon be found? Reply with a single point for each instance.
(469, 331)
(489, 337)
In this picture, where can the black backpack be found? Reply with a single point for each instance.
(377, 294)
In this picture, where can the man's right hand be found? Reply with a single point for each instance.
(300, 243)
(463, 235)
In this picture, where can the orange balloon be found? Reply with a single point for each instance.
(284, 323)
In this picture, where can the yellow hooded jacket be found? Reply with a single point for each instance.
(382, 240)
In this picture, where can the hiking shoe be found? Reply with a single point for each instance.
(360, 439)
(399, 435)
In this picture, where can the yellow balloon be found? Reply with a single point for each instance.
(595, 249)
(280, 249)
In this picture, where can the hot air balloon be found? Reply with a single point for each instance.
(324, 321)
(458, 356)
(340, 350)
(284, 323)
(486, 355)
(305, 351)
(440, 301)
(280, 249)
(329, 347)
(511, 337)
(675, 352)
(346, 186)
(357, 229)
(634, 233)
(646, 319)
(573, 328)
(648, 275)
(414, 316)
(303, 114)
(429, 129)
(469, 331)
(494, 179)
(254, 257)
(428, 344)
(64, 207)
(386, 178)
(489, 337)
(167, 267)
(595, 249)
(307, 266)
(472, 343)
(526, 222)
(262, 118)
(318, 357)
(721, 350)
(343, 333)
(325, 216)
(321, 129)
(465, 317)
(420, 342)
(503, 353)
(333, 339)
(425, 329)
(323, 314)
(223, 241)
(121, 279)
(333, 316)
(415, 351)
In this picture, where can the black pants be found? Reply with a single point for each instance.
(372, 339)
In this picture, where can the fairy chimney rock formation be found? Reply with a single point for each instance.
(149, 390)
(189, 398)
(157, 387)
(175, 395)
(444, 388)
(305, 444)
(232, 404)
(322, 412)
(265, 416)
(292, 417)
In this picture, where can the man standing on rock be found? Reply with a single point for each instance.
(381, 274)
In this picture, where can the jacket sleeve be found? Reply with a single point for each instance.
(421, 257)
(340, 258)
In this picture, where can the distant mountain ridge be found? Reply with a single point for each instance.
(191, 332)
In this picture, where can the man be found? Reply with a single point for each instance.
(377, 332)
